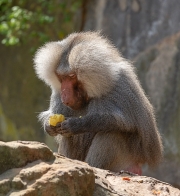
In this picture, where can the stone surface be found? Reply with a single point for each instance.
(127, 184)
(133, 25)
(19, 153)
(159, 70)
(56, 175)
(44, 173)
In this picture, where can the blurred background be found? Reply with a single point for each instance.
(145, 31)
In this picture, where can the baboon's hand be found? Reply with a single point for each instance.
(53, 130)
(66, 129)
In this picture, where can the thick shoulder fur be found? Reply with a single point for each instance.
(95, 61)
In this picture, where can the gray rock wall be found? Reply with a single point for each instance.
(133, 25)
(159, 70)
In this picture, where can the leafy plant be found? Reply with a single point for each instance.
(36, 21)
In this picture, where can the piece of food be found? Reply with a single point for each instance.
(53, 120)
(126, 178)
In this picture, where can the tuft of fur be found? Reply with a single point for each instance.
(83, 51)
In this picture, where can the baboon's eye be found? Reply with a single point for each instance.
(72, 75)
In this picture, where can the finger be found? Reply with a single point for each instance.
(52, 133)
(58, 124)
(66, 133)
(58, 129)
(62, 131)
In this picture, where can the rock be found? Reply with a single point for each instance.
(133, 25)
(159, 71)
(57, 175)
(126, 184)
(18, 154)
(37, 171)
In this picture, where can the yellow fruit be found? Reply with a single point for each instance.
(53, 120)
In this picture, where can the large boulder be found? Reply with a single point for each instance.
(48, 174)
(18, 154)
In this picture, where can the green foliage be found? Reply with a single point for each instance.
(36, 21)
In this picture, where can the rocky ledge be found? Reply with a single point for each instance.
(32, 169)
